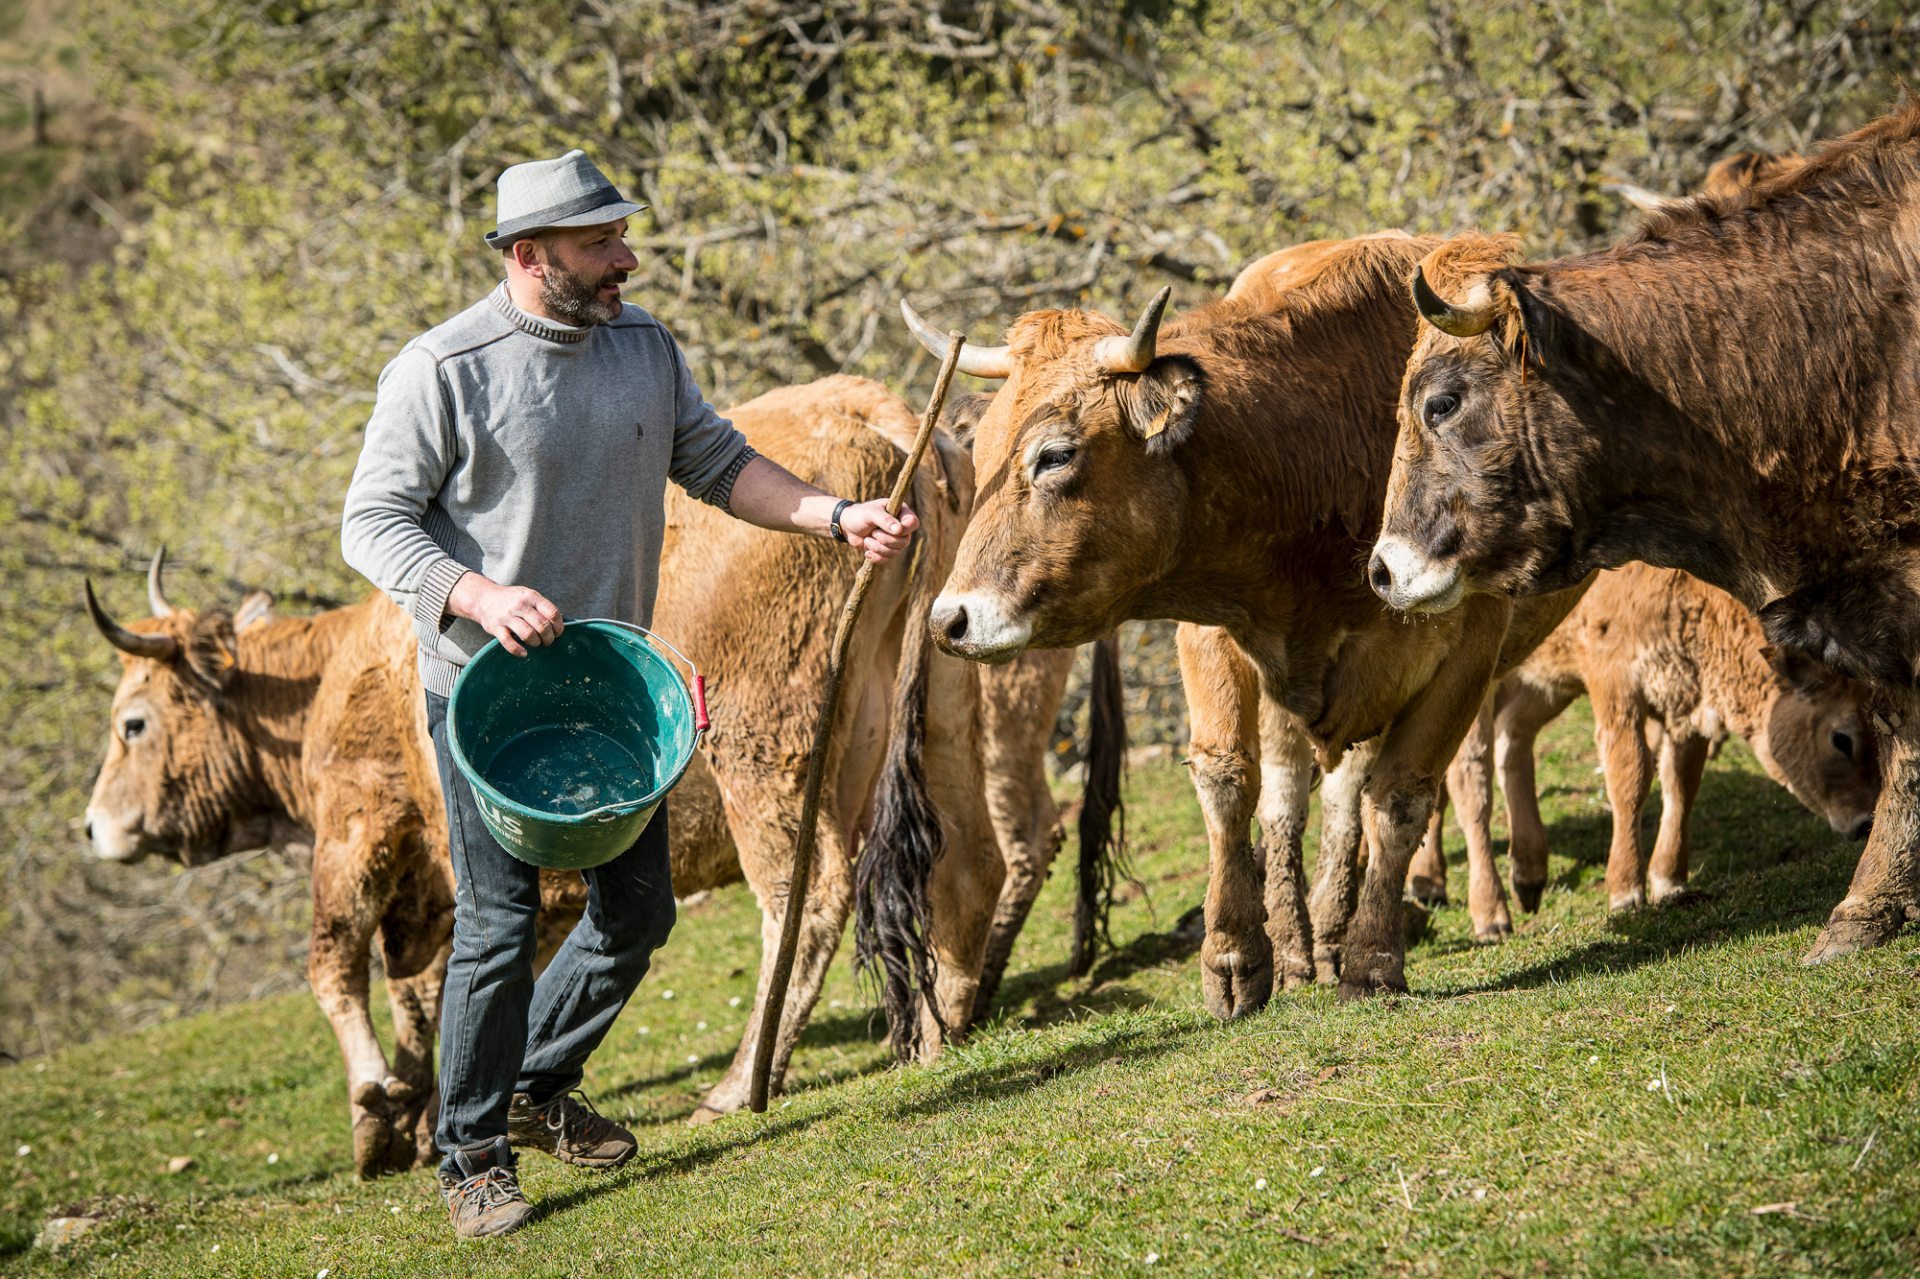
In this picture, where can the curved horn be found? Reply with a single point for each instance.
(1640, 198)
(161, 648)
(156, 598)
(981, 361)
(1134, 352)
(1468, 319)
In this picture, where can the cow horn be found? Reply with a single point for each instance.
(156, 598)
(1468, 319)
(981, 361)
(161, 648)
(1640, 198)
(1134, 352)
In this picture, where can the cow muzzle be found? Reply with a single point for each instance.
(1412, 581)
(114, 839)
(979, 628)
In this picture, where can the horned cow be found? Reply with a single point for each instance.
(1729, 392)
(1225, 472)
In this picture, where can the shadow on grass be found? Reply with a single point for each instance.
(1039, 992)
(649, 1168)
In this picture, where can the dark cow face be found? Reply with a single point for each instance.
(1080, 494)
(1819, 745)
(1477, 498)
(178, 774)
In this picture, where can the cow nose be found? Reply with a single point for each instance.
(949, 618)
(1862, 828)
(89, 832)
(1379, 576)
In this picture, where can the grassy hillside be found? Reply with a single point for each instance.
(1665, 1094)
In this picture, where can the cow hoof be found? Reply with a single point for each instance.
(1493, 930)
(1295, 972)
(1326, 965)
(703, 1114)
(1372, 986)
(385, 1138)
(1666, 891)
(1415, 920)
(1428, 892)
(1845, 936)
(1234, 988)
(1528, 895)
(1626, 903)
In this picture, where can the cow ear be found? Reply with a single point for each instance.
(1162, 403)
(212, 651)
(962, 415)
(1798, 671)
(253, 610)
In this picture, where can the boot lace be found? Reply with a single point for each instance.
(574, 1110)
(493, 1188)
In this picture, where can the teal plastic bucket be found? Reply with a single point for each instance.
(570, 749)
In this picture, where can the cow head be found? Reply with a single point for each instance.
(1818, 744)
(1081, 495)
(180, 776)
(1486, 455)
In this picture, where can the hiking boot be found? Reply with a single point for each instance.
(484, 1197)
(569, 1129)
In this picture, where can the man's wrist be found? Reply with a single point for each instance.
(834, 530)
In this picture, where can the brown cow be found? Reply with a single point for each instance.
(1226, 472)
(1731, 392)
(1672, 665)
(225, 735)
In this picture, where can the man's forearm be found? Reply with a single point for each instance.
(767, 494)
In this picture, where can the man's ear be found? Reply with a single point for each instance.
(212, 652)
(1161, 404)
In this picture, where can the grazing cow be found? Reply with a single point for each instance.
(1227, 472)
(1730, 392)
(229, 732)
(1672, 665)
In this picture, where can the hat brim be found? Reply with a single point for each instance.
(504, 236)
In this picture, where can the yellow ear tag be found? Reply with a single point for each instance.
(1158, 424)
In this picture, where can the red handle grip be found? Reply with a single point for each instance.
(700, 721)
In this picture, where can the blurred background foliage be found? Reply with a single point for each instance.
(219, 218)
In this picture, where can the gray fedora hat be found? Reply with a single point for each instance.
(555, 193)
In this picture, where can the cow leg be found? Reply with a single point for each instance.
(1470, 781)
(1286, 782)
(829, 900)
(1406, 779)
(1018, 705)
(1427, 876)
(1885, 893)
(348, 900)
(1682, 761)
(1336, 877)
(1236, 956)
(1521, 711)
(1618, 724)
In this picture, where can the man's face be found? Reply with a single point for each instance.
(585, 267)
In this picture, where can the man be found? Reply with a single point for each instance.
(513, 474)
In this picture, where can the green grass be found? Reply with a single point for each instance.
(1591, 1097)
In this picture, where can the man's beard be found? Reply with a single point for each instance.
(572, 298)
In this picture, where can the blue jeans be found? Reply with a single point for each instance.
(501, 1031)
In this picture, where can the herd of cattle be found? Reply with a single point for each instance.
(1390, 487)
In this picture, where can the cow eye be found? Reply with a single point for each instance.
(1843, 743)
(1439, 407)
(133, 727)
(1052, 458)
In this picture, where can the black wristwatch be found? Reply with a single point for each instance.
(833, 522)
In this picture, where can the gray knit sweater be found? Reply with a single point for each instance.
(535, 454)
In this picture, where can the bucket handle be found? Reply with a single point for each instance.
(701, 723)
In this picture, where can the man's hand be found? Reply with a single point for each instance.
(869, 528)
(514, 615)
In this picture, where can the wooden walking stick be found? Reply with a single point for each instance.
(804, 841)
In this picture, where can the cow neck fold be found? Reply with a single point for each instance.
(281, 664)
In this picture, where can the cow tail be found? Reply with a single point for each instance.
(893, 874)
(1103, 814)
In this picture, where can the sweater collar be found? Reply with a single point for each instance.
(526, 322)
